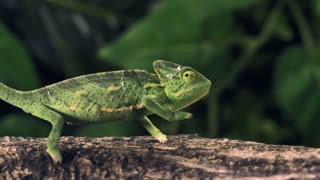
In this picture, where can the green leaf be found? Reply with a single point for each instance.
(316, 6)
(180, 31)
(16, 68)
(297, 88)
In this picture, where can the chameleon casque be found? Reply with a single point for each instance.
(111, 96)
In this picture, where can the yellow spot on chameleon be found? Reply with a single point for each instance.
(138, 106)
(106, 109)
(152, 85)
(79, 93)
(72, 108)
(112, 88)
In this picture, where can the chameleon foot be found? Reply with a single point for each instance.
(189, 116)
(161, 138)
(55, 155)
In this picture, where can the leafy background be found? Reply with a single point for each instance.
(261, 55)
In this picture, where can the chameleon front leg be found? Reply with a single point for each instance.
(155, 107)
(153, 130)
(57, 123)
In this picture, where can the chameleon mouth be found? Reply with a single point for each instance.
(194, 101)
(197, 99)
(202, 88)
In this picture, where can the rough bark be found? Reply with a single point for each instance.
(183, 157)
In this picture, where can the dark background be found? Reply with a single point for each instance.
(262, 57)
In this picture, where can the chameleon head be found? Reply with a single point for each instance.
(182, 84)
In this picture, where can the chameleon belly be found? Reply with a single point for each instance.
(102, 97)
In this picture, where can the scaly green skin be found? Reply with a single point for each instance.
(110, 96)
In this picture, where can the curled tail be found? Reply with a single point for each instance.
(11, 96)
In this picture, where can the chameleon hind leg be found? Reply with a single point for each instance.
(57, 123)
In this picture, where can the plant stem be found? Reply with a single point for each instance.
(303, 26)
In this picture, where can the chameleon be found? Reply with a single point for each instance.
(110, 96)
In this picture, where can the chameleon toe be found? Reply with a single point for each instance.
(55, 155)
(162, 138)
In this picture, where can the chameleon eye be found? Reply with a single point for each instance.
(188, 76)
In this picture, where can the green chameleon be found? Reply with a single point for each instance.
(110, 96)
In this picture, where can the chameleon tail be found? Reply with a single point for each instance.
(11, 96)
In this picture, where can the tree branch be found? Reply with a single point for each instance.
(183, 157)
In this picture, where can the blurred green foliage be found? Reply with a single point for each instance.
(14, 58)
(261, 55)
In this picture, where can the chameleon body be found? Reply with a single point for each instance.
(111, 96)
